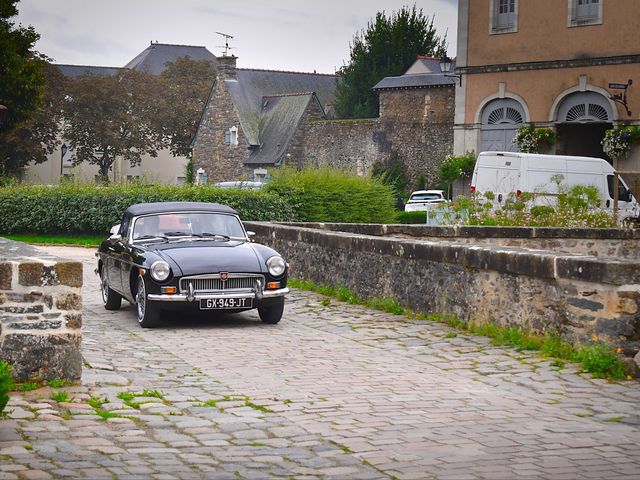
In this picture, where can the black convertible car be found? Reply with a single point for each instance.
(189, 256)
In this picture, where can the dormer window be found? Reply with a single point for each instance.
(231, 136)
(503, 16)
(585, 12)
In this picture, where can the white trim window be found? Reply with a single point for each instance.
(231, 136)
(503, 17)
(585, 12)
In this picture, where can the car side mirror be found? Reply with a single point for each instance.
(114, 233)
(251, 234)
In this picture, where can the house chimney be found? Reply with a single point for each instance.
(227, 66)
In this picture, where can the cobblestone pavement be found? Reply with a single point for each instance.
(333, 391)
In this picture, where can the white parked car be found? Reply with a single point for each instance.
(423, 200)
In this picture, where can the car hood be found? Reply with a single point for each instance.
(201, 257)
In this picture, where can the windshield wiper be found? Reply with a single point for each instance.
(152, 237)
(181, 234)
(226, 238)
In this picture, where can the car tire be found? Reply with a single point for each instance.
(110, 298)
(148, 314)
(273, 313)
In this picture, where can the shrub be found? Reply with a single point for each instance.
(6, 384)
(411, 217)
(70, 208)
(331, 195)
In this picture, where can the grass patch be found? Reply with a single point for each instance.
(56, 383)
(451, 335)
(208, 403)
(97, 402)
(127, 397)
(38, 239)
(105, 414)
(598, 359)
(61, 396)
(27, 387)
(260, 408)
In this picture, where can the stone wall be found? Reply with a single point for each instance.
(575, 295)
(40, 303)
(603, 242)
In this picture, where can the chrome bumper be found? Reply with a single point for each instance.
(155, 297)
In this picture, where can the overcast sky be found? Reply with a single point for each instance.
(297, 35)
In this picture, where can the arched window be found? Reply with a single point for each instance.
(581, 107)
(500, 121)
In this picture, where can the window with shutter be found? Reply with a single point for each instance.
(585, 12)
(227, 137)
(504, 16)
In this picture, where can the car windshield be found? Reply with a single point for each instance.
(196, 224)
(421, 197)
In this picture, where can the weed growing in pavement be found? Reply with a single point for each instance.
(28, 386)
(97, 402)
(599, 359)
(61, 396)
(451, 335)
(260, 408)
(105, 414)
(56, 383)
(127, 397)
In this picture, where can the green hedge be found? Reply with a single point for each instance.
(411, 217)
(94, 209)
(331, 195)
(6, 384)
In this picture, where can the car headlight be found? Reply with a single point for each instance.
(276, 266)
(160, 270)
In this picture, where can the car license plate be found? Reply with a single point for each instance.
(225, 303)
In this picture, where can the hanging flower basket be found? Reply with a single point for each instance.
(531, 139)
(617, 141)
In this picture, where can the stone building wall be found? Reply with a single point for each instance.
(40, 303)
(575, 295)
(222, 162)
(415, 128)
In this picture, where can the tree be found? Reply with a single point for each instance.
(387, 47)
(113, 116)
(22, 91)
(32, 140)
(187, 84)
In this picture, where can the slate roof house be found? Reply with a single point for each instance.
(256, 120)
(251, 117)
(165, 168)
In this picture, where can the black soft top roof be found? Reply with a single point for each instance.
(166, 207)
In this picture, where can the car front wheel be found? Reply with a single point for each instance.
(110, 298)
(148, 314)
(273, 313)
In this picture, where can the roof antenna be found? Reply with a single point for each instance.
(226, 43)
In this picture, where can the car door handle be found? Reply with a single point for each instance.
(111, 249)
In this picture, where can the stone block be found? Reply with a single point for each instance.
(30, 274)
(6, 273)
(73, 320)
(70, 273)
(38, 356)
(41, 325)
(16, 309)
(68, 301)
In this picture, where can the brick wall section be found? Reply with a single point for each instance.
(40, 303)
(576, 295)
(222, 162)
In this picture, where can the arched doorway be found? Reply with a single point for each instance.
(500, 121)
(582, 119)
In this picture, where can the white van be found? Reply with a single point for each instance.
(503, 173)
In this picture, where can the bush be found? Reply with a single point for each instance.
(70, 208)
(411, 217)
(331, 195)
(6, 384)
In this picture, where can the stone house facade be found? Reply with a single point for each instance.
(289, 122)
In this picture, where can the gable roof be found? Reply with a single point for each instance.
(74, 71)
(249, 87)
(425, 72)
(280, 117)
(154, 58)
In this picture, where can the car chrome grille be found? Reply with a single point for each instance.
(213, 283)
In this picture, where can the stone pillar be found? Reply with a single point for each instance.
(227, 66)
(40, 303)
